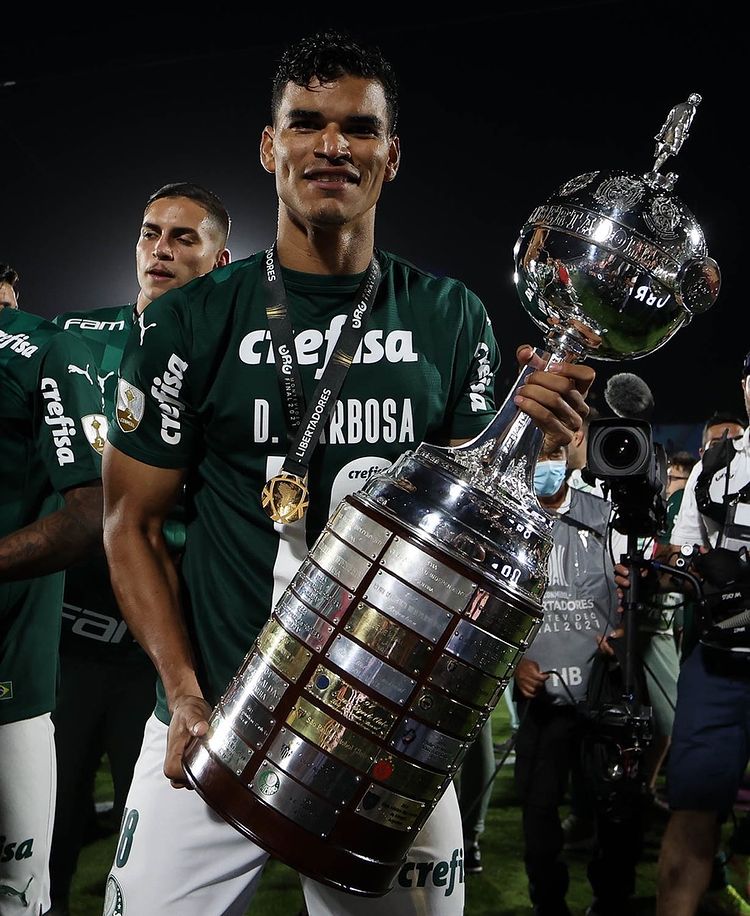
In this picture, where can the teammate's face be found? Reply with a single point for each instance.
(7, 297)
(331, 151)
(178, 242)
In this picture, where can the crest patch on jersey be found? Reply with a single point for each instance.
(6, 690)
(130, 406)
(95, 427)
(114, 902)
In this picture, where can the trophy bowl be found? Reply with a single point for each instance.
(619, 254)
(393, 642)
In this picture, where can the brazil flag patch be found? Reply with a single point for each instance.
(6, 690)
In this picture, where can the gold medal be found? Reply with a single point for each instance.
(285, 498)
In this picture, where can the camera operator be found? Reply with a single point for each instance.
(551, 683)
(711, 736)
(678, 474)
(654, 648)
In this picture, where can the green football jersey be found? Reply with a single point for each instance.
(92, 624)
(52, 431)
(198, 390)
(105, 332)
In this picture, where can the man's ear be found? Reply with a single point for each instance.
(267, 159)
(578, 437)
(224, 258)
(394, 158)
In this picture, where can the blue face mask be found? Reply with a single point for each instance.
(548, 477)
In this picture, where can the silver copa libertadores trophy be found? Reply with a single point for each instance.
(397, 636)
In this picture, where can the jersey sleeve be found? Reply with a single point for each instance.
(70, 426)
(154, 418)
(472, 402)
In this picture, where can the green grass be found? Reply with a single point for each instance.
(500, 890)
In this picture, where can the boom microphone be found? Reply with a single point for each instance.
(629, 397)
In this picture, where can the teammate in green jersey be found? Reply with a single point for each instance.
(106, 690)
(200, 404)
(50, 516)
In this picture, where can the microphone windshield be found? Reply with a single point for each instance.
(629, 397)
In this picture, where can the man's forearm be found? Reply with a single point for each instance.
(56, 541)
(145, 583)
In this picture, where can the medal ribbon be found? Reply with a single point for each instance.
(305, 426)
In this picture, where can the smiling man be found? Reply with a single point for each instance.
(237, 397)
(106, 687)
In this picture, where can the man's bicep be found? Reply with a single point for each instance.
(137, 492)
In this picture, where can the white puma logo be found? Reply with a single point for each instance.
(7, 890)
(77, 369)
(103, 378)
(144, 327)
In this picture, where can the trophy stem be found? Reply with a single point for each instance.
(503, 455)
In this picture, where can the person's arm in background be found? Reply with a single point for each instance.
(54, 542)
(689, 527)
(529, 678)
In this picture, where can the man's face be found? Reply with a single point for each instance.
(545, 484)
(715, 433)
(330, 150)
(178, 242)
(8, 298)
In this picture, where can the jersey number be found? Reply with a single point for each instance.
(129, 823)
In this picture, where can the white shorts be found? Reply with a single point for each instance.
(176, 857)
(27, 812)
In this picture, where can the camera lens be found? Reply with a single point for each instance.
(621, 448)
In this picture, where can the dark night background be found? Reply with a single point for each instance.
(497, 110)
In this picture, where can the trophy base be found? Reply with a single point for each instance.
(380, 665)
(323, 862)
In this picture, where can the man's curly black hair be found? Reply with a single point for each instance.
(328, 55)
(8, 275)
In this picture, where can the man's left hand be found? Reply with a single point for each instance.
(555, 399)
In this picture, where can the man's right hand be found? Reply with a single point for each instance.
(529, 678)
(189, 720)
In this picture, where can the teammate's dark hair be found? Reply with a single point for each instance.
(328, 55)
(683, 460)
(202, 196)
(8, 275)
